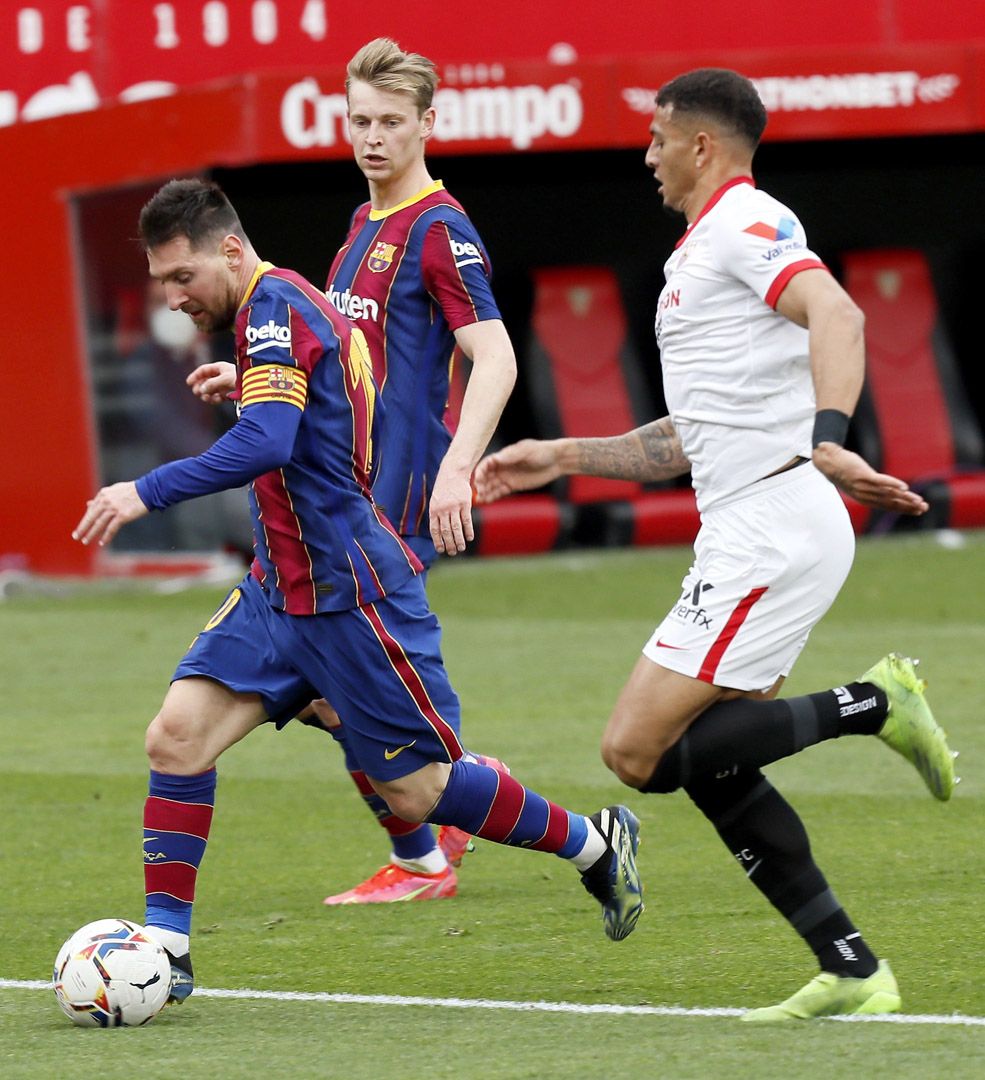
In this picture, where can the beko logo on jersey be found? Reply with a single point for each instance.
(353, 306)
(465, 254)
(521, 114)
(270, 332)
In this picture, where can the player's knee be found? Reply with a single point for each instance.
(407, 805)
(665, 776)
(644, 770)
(172, 746)
(413, 797)
(632, 768)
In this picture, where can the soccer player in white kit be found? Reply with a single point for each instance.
(763, 360)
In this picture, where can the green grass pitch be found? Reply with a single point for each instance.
(538, 649)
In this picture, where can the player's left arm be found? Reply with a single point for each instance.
(488, 346)
(455, 270)
(814, 300)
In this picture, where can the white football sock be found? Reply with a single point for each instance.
(595, 847)
(176, 944)
(432, 863)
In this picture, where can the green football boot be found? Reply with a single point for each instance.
(828, 994)
(910, 728)
(614, 879)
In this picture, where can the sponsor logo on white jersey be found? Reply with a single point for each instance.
(353, 306)
(521, 114)
(781, 249)
(670, 298)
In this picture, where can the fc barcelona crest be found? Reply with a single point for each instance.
(381, 257)
(280, 379)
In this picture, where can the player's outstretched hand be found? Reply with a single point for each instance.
(450, 513)
(856, 477)
(521, 466)
(110, 509)
(214, 382)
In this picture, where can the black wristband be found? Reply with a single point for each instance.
(830, 425)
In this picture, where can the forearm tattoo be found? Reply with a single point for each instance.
(647, 454)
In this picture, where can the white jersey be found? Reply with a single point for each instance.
(736, 374)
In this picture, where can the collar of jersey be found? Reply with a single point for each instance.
(435, 185)
(727, 186)
(261, 269)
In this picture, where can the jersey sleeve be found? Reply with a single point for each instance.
(455, 269)
(764, 246)
(254, 445)
(279, 355)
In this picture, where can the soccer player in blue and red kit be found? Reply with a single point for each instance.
(413, 275)
(334, 601)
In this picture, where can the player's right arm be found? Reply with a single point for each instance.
(262, 439)
(647, 454)
(107, 512)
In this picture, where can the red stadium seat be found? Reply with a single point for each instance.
(579, 337)
(521, 525)
(914, 420)
(584, 379)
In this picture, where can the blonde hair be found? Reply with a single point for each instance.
(383, 64)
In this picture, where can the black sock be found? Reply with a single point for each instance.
(751, 732)
(863, 708)
(769, 841)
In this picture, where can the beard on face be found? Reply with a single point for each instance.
(213, 320)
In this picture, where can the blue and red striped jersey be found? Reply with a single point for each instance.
(321, 542)
(408, 277)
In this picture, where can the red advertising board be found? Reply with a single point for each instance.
(835, 93)
(142, 78)
(63, 56)
(526, 105)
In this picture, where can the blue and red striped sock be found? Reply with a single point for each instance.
(411, 841)
(177, 818)
(493, 805)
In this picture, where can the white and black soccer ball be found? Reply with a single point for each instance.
(111, 974)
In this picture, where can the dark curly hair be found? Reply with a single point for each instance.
(721, 95)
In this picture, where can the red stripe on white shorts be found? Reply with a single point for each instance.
(714, 656)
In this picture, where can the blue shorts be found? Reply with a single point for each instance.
(380, 666)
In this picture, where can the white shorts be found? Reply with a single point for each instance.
(768, 564)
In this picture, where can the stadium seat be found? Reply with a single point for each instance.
(528, 524)
(584, 380)
(914, 420)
